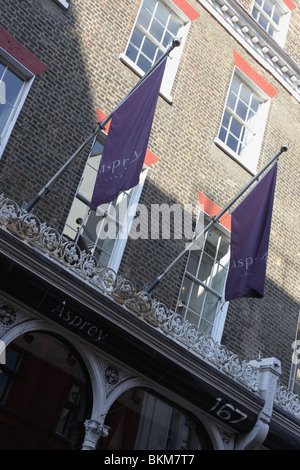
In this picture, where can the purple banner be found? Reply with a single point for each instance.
(250, 232)
(127, 141)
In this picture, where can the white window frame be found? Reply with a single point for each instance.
(174, 56)
(124, 229)
(63, 4)
(250, 156)
(28, 78)
(282, 28)
(222, 305)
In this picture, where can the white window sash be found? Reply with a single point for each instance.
(28, 78)
(222, 306)
(174, 56)
(249, 158)
(282, 28)
(122, 236)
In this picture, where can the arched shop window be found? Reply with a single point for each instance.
(44, 395)
(141, 420)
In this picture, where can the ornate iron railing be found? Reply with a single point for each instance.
(51, 243)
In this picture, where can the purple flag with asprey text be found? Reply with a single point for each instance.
(250, 233)
(127, 141)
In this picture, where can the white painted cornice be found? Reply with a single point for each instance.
(257, 42)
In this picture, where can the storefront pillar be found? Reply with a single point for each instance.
(93, 431)
(269, 371)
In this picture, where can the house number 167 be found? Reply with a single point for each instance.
(228, 412)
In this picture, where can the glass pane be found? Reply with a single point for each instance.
(97, 148)
(255, 13)
(154, 424)
(235, 128)
(5, 111)
(226, 120)
(192, 318)
(13, 85)
(89, 177)
(223, 250)
(104, 247)
(218, 278)
(245, 94)
(144, 63)
(205, 327)
(205, 269)
(231, 100)
(132, 52)
(149, 49)
(193, 263)
(232, 142)
(223, 134)
(2, 68)
(268, 7)
(173, 25)
(241, 110)
(209, 311)
(90, 230)
(76, 217)
(136, 38)
(162, 14)
(149, 4)
(197, 298)
(158, 55)
(235, 85)
(276, 15)
(211, 243)
(250, 116)
(271, 30)
(241, 148)
(185, 291)
(156, 30)
(144, 18)
(255, 103)
(259, 2)
(263, 22)
(167, 39)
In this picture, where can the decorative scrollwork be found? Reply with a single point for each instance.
(161, 313)
(207, 346)
(50, 239)
(88, 265)
(143, 304)
(124, 289)
(105, 278)
(192, 335)
(71, 254)
(111, 375)
(28, 227)
(9, 211)
(7, 315)
(234, 365)
(176, 325)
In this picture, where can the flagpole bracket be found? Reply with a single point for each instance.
(152, 286)
(176, 42)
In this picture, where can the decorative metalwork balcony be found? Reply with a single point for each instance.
(51, 243)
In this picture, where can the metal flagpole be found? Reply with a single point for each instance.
(152, 286)
(29, 206)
